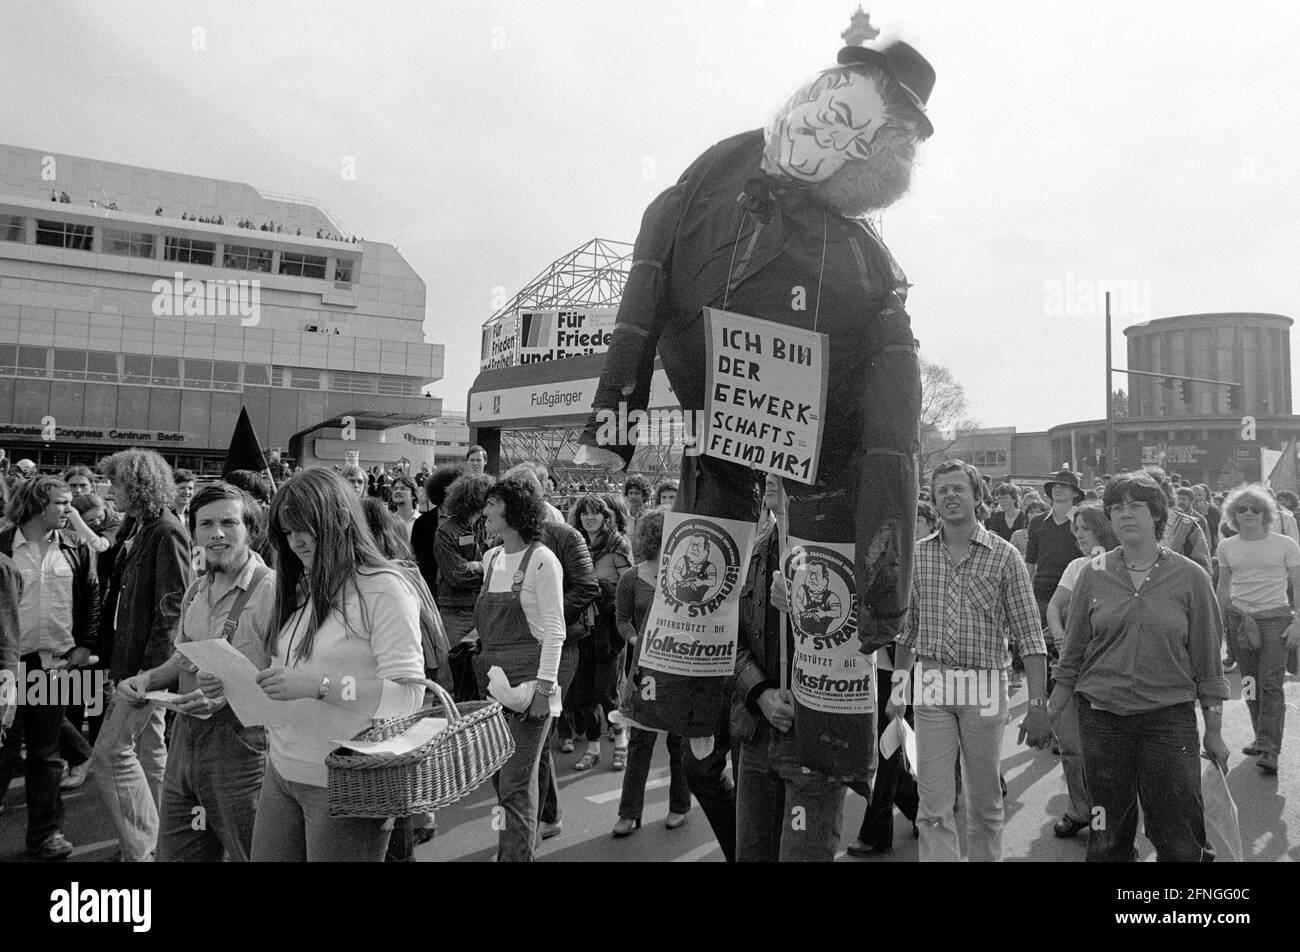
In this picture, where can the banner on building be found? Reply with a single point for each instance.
(694, 621)
(571, 332)
(766, 394)
(500, 344)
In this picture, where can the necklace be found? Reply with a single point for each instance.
(1138, 568)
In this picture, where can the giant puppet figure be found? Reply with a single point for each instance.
(771, 224)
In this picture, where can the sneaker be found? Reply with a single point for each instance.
(548, 830)
(1267, 762)
(1252, 749)
(75, 776)
(55, 846)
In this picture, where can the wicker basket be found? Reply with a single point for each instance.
(473, 746)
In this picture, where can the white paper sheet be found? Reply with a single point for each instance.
(249, 702)
(899, 733)
(415, 737)
(519, 697)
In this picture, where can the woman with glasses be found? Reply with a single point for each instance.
(1141, 649)
(1008, 517)
(1254, 568)
(1094, 535)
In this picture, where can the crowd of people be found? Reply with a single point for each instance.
(1113, 608)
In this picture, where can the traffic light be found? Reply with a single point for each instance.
(1234, 397)
(1184, 394)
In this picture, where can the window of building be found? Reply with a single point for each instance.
(225, 375)
(101, 365)
(304, 378)
(136, 368)
(8, 355)
(343, 272)
(133, 244)
(256, 375)
(69, 364)
(33, 362)
(198, 374)
(277, 377)
(302, 266)
(166, 372)
(11, 228)
(247, 258)
(61, 234)
(393, 386)
(189, 250)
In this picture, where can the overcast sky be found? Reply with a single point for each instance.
(1151, 144)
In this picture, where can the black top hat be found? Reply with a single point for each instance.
(912, 70)
(1065, 478)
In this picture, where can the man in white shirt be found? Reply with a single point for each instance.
(58, 616)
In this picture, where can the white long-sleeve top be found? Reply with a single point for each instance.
(541, 596)
(383, 644)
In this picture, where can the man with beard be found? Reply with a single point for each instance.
(215, 762)
(771, 224)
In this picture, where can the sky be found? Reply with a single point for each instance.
(1150, 147)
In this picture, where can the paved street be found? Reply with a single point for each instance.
(1269, 809)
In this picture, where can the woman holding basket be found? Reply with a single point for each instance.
(348, 636)
(520, 621)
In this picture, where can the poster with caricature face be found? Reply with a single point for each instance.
(693, 624)
(829, 672)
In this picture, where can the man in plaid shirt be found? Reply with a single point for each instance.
(971, 595)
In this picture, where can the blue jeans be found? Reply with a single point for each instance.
(40, 726)
(129, 760)
(210, 790)
(1153, 757)
(516, 784)
(294, 825)
(782, 811)
(1267, 666)
(640, 751)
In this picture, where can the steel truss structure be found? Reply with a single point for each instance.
(592, 275)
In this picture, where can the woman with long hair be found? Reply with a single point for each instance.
(600, 655)
(633, 598)
(1094, 536)
(1141, 651)
(520, 621)
(347, 635)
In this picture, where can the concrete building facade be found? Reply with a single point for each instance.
(123, 323)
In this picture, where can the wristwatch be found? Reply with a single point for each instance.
(323, 691)
(1038, 702)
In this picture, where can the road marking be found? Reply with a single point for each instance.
(612, 795)
(697, 854)
(92, 847)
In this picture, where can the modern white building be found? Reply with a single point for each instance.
(141, 307)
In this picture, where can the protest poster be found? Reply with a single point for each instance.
(765, 394)
(832, 680)
(571, 332)
(500, 343)
(693, 623)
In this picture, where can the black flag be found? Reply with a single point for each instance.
(245, 451)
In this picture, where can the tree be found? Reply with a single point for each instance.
(943, 414)
(1119, 403)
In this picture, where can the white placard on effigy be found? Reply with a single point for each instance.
(765, 401)
(695, 618)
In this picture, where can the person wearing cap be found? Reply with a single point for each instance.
(26, 468)
(1051, 545)
(764, 220)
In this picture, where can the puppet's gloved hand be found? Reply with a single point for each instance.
(876, 633)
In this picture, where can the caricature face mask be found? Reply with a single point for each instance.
(826, 122)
